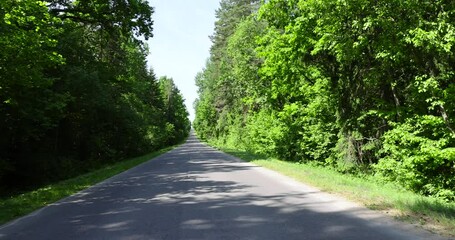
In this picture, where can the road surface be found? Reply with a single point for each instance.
(197, 192)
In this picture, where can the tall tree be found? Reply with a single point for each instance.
(174, 111)
(75, 91)
(218, 98)
(357, 85)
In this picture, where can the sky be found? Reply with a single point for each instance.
(180, 46)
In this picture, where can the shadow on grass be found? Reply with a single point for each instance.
(439, 207)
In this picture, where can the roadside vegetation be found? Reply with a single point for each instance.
(428, 212)
(361, 88)
(75, 90)
(22, 204)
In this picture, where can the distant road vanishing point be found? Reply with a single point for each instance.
(197, 192)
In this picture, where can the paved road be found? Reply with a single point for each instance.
(196, 192)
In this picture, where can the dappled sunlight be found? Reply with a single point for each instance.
(117, 226)
(197, 224)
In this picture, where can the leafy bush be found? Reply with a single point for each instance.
(419, 154)
(264, 130)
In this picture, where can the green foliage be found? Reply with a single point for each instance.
(75, 92)
(205, 118)
(178, 125)
(419, 155)
(130, 17)
(28, 36)
(264, 131)
(244, 63)
(346, 84)
(231, 69)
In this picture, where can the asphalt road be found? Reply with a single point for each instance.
(196, 192)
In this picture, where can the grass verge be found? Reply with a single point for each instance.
(432, 214)
(25, 203)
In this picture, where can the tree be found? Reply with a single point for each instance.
(124, 16)
(75, 91)
(28, 107)
(362, 86)
(174, 110)
(218, 88)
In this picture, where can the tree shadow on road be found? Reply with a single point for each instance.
(196, 192)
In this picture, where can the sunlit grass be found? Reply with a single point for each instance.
(19, 205)
(433, 214)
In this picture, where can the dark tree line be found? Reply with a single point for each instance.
(75, 91)
(360, 86)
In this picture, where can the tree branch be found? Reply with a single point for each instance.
(446, 119)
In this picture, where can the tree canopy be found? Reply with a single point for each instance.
(75, 90)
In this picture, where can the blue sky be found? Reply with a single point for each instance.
(180, 46)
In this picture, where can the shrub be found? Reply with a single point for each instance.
(264, 130)
(420, 155)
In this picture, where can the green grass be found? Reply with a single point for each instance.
(25, 203)
(433, 214)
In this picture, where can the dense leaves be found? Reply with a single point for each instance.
(75, 92)
(175, 112)
(356, 85)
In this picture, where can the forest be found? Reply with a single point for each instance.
(364, 87)
(76, 92)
